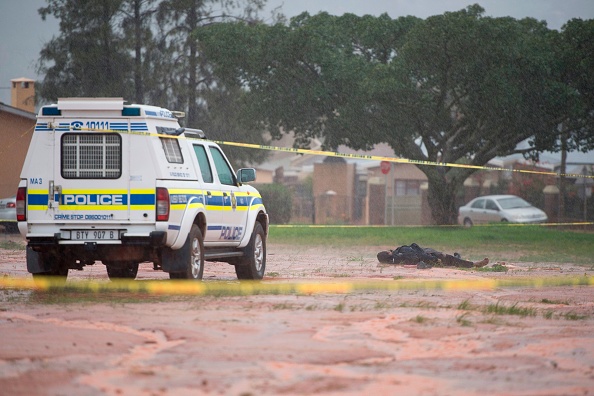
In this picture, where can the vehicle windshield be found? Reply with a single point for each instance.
(513, 203)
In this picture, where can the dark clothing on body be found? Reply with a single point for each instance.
(415, 255)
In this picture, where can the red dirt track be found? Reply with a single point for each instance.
(503, 341)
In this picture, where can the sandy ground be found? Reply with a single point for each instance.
(501, 341)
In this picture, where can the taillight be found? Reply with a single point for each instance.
(162, 204)
(21, 204)
(11, 205)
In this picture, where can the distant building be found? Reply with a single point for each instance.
(22, 94)
(356, 191)
(17, 123)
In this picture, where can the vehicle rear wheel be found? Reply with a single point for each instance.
(253, 264)
(195, 264)
(467, 222)
(122, 270)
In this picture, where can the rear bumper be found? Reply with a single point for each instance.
(155, 239)
(49, 251)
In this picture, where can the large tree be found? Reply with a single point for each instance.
(572, 120)
(185, 71)
(147, 51)
(136, 26)
(89, 56)
(456, 88)
(465, 89)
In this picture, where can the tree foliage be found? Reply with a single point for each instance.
(457, 88)
(453, 88)
(145, 51)
(90, 48)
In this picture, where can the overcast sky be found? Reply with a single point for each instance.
(23, 33)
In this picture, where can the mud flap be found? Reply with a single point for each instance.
(35, 264)
(176, 260)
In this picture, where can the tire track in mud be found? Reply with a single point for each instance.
(112, 381)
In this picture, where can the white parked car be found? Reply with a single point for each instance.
(498, 208)
(8, 209)
(8, 214)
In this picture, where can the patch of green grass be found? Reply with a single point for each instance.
(465, 306)
(419, 319)
(547, 301)
(494, 268)
(283, 305)
(574, 316)
(339, 307)
(513, 310)
(536, 243)
(11, 245)
(548, 314)
(67, 296)
(463, 321)
(382, 305)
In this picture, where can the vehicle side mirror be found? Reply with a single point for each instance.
(246, 175)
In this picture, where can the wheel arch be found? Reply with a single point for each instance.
(191, 216)
(254, 217)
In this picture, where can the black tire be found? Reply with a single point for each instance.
(122, 270)
(195, 264)
(467, 222)
(253, 264)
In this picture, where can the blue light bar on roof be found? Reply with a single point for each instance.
(51, 111)
(131, 112)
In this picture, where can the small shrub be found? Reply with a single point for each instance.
(278, 201)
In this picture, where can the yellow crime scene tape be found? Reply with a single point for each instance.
(345, 155)
(578, 223)
(249, 288)
(396, 159)
(351, 156)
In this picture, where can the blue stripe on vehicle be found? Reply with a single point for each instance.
(37, 199)
(142, 199)
(138, 126)
(42, 127)
(215, 200)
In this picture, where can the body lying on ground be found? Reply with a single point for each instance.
(425, 258)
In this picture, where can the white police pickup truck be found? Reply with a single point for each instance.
(125, 184)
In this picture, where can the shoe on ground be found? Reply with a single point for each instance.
(481, 263)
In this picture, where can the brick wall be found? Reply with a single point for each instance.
(15, 136)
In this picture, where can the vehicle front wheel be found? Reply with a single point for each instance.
(253, 264)
(195, 263)
(467, 222)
